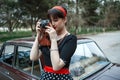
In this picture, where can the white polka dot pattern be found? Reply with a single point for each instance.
(53, 76)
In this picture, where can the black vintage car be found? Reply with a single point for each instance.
(87, 63)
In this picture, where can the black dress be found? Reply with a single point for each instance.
(66, 48)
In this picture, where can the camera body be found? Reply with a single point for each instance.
(44, 23)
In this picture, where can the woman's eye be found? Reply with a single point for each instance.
(55, 20)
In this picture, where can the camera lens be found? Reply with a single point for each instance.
(44, 23)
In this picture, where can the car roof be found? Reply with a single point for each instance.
(29, 41)
(84, 40)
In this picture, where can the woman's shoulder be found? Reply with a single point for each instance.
(71, 36)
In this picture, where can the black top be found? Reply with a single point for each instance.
(66, 48)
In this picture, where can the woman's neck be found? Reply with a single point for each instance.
(62, 34)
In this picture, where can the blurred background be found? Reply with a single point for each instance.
(18, 17)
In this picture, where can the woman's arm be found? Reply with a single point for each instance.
(60, 60)
(57, 63)
(35, 52)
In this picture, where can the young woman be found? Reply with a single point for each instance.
(60, 48)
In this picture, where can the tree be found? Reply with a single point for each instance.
(8, 8)
(89, 8)
(110, 12)
(32, 10)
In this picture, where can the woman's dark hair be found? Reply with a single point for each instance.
(56, 13)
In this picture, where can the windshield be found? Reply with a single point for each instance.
(87, 59)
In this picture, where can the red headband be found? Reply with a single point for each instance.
(61, 9)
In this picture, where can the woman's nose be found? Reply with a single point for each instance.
(53, 23)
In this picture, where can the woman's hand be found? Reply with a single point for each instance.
(51, 31)
(38, 29)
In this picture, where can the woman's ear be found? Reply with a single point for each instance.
(65, 20)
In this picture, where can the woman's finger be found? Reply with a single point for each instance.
(50, 24)
(39, 20)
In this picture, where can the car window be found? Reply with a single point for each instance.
(7, 54)
(24, 63)
(86, 60)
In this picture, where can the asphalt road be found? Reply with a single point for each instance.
(109, 43)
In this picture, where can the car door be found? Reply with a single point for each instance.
(7, 61)
(30, 69)
(16, 65)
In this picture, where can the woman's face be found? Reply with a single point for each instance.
(58, 23)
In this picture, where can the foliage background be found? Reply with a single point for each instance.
(83, 15)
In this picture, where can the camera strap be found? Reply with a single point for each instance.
(45, 40)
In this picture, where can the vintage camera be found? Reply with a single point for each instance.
(44, 23)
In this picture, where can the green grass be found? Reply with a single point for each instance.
(4, 36)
